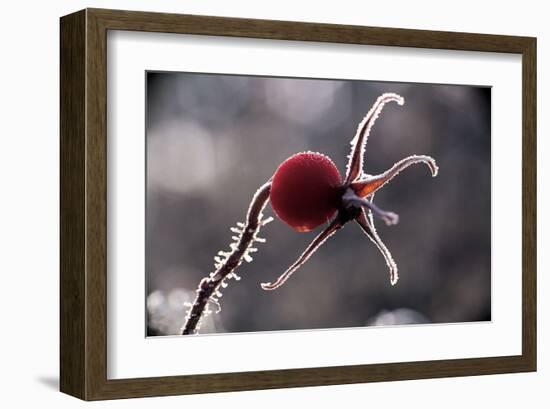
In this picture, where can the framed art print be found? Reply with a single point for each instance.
(251, 204)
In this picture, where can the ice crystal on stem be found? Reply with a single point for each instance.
(226, 262)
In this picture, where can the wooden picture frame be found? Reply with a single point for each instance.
(83, 76)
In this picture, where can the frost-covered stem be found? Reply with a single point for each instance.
(209, 285)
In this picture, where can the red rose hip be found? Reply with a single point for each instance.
(306, 190)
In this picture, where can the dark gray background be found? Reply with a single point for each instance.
(212, 140)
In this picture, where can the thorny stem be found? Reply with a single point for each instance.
(210, 285)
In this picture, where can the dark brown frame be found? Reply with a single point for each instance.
(83, 78)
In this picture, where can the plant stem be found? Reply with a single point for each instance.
(210, 285)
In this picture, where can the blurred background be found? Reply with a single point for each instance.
(212, 140)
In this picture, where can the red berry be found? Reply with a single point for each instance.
(305, 190)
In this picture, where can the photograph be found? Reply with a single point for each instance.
(278, 204)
